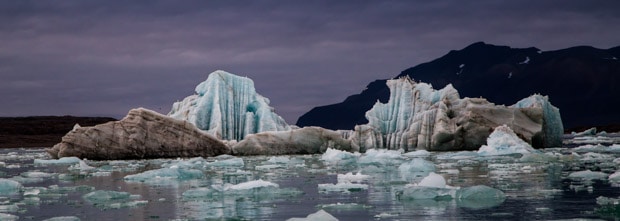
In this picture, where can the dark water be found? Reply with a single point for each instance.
(534, 189)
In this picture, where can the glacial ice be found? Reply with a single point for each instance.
(9, 187)
(433, 180)
(352, 178)
(142, 134)
(63, 218)
(307, 140)
(480, 192)
(8, 217)
(588, 175)
(228, 107)
(105, 199)
(381, 157)
(320, 215)
(503, 141)
(164, 174)
(419, 117)
(63, 160)
(255, 188)
(339, 157)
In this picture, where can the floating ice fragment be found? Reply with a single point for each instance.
(480, 192)
(427, 193)
(503, 141)
(352, 178)
(479, 197)
(253, 184)
(166, 173)
(339, 157)
(321, 215)
(385, 215)
(342, 187)
(8, 217)
(381, 157)
(203, 192)
(417, 153)
(614, 177)
(417, 165)
(64, 160)
(344, 206)
(105, 199)
(63, 218)
(9, 187)
(433, 180)
(233, 162)
(588, 175)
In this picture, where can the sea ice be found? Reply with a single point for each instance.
(417, 153)
(252, 185)
(320, 215)
(503, 141)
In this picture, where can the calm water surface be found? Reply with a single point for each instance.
(535, 188)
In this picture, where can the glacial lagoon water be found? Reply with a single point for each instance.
(552, 185)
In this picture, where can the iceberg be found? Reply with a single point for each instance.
(339, 157)
(63, 218)
(63, 160)
(228, 107)
(307, 140)
(141, 134)
(419, 117)
(588, 175)
(503, 141)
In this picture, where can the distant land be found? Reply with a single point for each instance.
(583, 81)
(40, 131)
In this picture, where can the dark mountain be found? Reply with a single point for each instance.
(584, 82)
(40, 131)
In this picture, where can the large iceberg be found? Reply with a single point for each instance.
(141, 134)
(307, 140)
(420, 117)
(228, 107)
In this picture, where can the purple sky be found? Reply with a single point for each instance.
(102, 58)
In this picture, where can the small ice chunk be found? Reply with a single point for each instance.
(344, 206)
(417, 165)
(321, 215)
(63, 160)
(279, 160)
(614, 177)
(433, 180)
(503, 141)
(601, 200)
(480, 192)
(412, 192)
(106, 199)
(417, 153)
(588, 175)
(8, 217)
(252, 185)
(588, 132)
(381, 157)
(63, 218)
(37, 174)
(333, 156)
(9, 187)
(342, 187)
(352, 178)
(233, 162)
(166, 173)
(384, 215)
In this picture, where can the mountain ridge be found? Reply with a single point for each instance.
(503, 75)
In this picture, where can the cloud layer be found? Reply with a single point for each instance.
(106, 57)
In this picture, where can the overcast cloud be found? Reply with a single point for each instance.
(102, 58)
